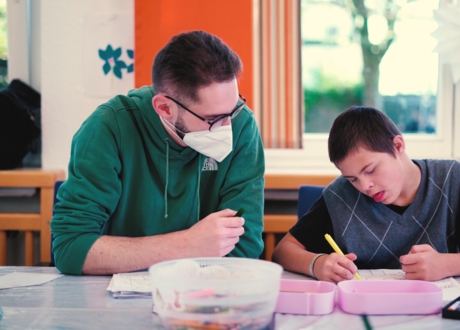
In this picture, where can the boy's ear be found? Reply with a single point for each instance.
(161, 106)
(400, 145)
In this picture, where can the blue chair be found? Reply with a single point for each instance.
(57, 184)
(308, 195)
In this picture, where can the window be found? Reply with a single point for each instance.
(3, 45)
(399, 73)
(373, 53)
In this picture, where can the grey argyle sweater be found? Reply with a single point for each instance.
(379, 236)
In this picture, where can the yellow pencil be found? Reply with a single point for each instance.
(337, 250)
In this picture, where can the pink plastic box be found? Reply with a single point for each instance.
(389, 297)
(305, 297)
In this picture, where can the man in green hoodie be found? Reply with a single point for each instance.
(159, 174)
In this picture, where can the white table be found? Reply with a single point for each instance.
(82, 302)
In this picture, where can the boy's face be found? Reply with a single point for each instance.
(376, 174)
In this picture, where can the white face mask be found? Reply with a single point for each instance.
(216, 144)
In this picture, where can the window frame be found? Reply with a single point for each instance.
(313, 157)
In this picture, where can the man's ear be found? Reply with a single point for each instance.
(161, 106)
(400, 145)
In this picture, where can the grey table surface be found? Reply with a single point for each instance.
(83, 302)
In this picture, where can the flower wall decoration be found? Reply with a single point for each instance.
(112, 62)
(448, 36)
(108, 54)
(130, 67)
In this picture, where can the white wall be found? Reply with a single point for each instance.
(63, 78)
(57, 36)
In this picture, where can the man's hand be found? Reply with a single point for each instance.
(335, 267)
(216, 235)
(423, 263)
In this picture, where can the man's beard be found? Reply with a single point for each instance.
(180, 127)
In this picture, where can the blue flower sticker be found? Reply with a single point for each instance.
(111, 61)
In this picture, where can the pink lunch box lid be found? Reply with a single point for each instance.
(305, 297)
(389, 297)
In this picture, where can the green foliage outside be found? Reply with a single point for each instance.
(327, 99)
(3, 44)
(322, 107)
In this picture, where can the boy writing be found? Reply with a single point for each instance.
(384, 211)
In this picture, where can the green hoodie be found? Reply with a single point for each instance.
(127, 177)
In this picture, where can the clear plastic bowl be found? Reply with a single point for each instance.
(215, 293)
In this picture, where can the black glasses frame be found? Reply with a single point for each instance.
(232, 113)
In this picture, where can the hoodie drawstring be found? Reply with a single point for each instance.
(167, 177)
(167, 183)
(198, 188)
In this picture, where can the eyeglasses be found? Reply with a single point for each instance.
(221, 119)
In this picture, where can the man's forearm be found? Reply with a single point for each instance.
(213, 236)
(113, 254)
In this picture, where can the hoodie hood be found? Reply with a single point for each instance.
(151, 124)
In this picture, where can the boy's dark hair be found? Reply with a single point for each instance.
(361, 127)
(193, 60)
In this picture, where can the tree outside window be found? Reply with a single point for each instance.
(376, 53)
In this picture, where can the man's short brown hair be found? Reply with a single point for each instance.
(193, 60)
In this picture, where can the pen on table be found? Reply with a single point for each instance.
(337, 250)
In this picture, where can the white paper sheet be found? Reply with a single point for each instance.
(18, 279)
(450, 287)
(131, 285)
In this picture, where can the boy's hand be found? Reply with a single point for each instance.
(423, 263)
(335, 267)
